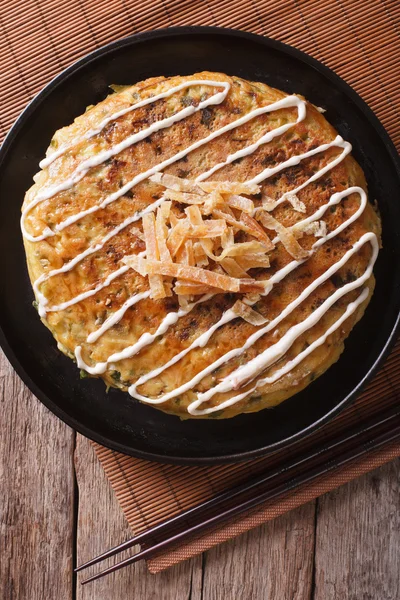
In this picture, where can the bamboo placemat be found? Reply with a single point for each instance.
(360, 40)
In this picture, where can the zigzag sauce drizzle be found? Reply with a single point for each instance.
(244, 374)
(351, 308)
(83, 168)
(319, 213)
(228, 316)
(248, 372)
(290, 101)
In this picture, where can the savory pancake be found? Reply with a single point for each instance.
(202, 242)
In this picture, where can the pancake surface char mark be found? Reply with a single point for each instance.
(195, 355)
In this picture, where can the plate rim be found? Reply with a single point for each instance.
(268, 42)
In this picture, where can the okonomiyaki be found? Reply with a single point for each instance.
(204, 243)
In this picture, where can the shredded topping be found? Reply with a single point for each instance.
(269, 203)
(285, 235)
(315, 228)
(203, 237)
(157, 289)
(175, 183)
(248, 314)
(295, 202)
(231, 187)
(198, 246)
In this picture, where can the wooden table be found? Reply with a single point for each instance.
(57, 509)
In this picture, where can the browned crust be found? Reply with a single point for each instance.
(71, 327)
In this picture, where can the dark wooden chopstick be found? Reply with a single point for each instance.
(249, 485)
(392, 432)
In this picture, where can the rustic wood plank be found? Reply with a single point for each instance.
(358, 539)
(101, 524)
(272, 561)
(36, 502)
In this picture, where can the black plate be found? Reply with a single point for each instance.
(115, 420)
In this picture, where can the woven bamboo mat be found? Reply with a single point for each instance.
(360, 40)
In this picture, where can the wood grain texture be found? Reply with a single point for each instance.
(249, 567)
(36, 501)
(357, 543)
(274, 561)
(101, 524)
(348, 548)
(358, 539)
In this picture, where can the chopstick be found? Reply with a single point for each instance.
(240, 489)
(390, 433)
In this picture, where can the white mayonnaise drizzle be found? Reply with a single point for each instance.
(260, 332)
(229, 315)
(101, 157)
(295, 160)
(80, 297)
(285, 102)
(144, 340)
(116, 316)
(290, 101)
(351, 308)
(92, 132)
(245, 373)
(200, 342)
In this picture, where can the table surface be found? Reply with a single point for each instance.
(57, 509)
